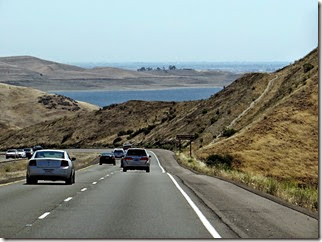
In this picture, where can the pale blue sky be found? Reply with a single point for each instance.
(159, 30)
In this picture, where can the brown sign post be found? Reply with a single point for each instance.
(189, 137)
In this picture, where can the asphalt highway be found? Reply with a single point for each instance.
(169, 202)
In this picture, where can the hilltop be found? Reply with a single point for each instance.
(47, 75)
(22, 107)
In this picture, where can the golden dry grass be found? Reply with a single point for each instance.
(289, 191)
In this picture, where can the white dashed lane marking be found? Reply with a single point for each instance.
(84, 189)
(68, 199)
(94, 183)
(44, 215)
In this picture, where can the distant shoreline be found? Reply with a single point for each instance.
(120, 89)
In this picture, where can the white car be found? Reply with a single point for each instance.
(118, 152)
(53, 165)
(12, 153)
(21, 153)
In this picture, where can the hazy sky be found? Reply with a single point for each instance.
(159, 30)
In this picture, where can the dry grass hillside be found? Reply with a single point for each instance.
(278, 137)
(145, 123)
(22, 107)
(206, 119)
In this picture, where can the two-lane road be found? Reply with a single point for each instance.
(104, 203)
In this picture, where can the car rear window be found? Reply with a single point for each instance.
(11, 151)
(136, 153)
(106, 154)
(49, 154)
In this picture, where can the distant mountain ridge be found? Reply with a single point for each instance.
(47, 75)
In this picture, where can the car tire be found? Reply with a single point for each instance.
(100, 163)
(30, 180)
(69, 180)
(147, 169)
(114, 163)
(124, 169)
(74, 178)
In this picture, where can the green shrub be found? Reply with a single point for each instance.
(307, 67)
(204, 111)
(227, 132)
(224, 161)
(130, 131)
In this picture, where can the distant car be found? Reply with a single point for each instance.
(107, 157)
(118, 153)
(12, 153)
(52, 165)
(21, 153)
(126, 146)
(37, 147)
(136, 159)
(29, 152)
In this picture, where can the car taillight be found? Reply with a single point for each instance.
(144, 158)
(32, 163)
(64, 163)
(128, 158)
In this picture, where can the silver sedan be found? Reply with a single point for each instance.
(136, 159)
(53, 165)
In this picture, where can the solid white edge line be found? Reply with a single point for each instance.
(44, 215)
(202, 218)
(68, 199)
(94, 183)
(84, 189)
(158, 161)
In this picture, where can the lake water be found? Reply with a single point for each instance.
(105, 98)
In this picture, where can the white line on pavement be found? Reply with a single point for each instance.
(68, 199)
(102, 178)
(84, 189)
(94, 183)
(158, 161)
(44, 215)
(202, 217)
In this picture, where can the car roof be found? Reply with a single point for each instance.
(51, 150)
